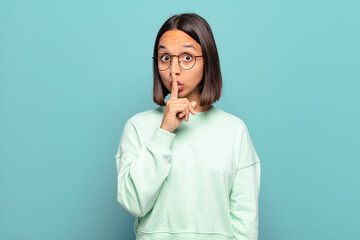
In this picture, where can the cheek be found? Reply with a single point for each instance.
(199, 73)
(164, 79)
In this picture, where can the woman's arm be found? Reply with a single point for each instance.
(142, 168)
(245, 192)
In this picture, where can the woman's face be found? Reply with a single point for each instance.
(175, 42)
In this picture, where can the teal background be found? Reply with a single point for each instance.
(73, 72)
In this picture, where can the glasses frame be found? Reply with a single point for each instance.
(171, 57)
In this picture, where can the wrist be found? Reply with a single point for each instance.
(164, 128)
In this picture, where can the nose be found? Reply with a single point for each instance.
(174, 65)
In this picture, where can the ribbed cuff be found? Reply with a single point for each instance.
(162, 137)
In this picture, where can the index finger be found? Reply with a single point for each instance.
(174, 89)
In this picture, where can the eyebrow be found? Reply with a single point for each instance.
(183, 46)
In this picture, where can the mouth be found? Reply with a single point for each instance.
(180, 85)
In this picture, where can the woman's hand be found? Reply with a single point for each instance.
(176, 110)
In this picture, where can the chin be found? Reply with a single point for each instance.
(181, 94)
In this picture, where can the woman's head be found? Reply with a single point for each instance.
(190, 34)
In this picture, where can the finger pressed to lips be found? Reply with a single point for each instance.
(176, 86)
(174, 90)
(177, 81)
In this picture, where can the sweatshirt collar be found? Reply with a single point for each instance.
(198, 115)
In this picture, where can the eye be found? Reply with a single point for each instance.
(188, 57)
(164, 57)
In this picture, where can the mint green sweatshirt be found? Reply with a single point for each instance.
(200, 182)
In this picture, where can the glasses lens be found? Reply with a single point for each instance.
(163, 61)
(187, 60)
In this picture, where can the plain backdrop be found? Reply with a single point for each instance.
(72, 73)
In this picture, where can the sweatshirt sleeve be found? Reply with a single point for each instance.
(245, 191)
(142, 168)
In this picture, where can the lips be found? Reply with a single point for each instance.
(180, 85)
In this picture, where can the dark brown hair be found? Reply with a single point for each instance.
(197, 28)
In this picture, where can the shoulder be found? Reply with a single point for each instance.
(144, 118)
(231, 120)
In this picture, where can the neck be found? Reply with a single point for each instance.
(195, 96)
(201, 108)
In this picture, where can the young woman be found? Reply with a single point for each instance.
(186, 169)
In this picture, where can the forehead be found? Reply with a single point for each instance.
(175, 39)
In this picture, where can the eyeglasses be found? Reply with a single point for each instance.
(186, 60)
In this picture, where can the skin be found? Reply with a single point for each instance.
(173, 40)
(180, 104)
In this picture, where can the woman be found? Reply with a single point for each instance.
(192, 179)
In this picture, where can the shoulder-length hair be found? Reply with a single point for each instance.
(197, 28)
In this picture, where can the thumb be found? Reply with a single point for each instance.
(193, 103)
